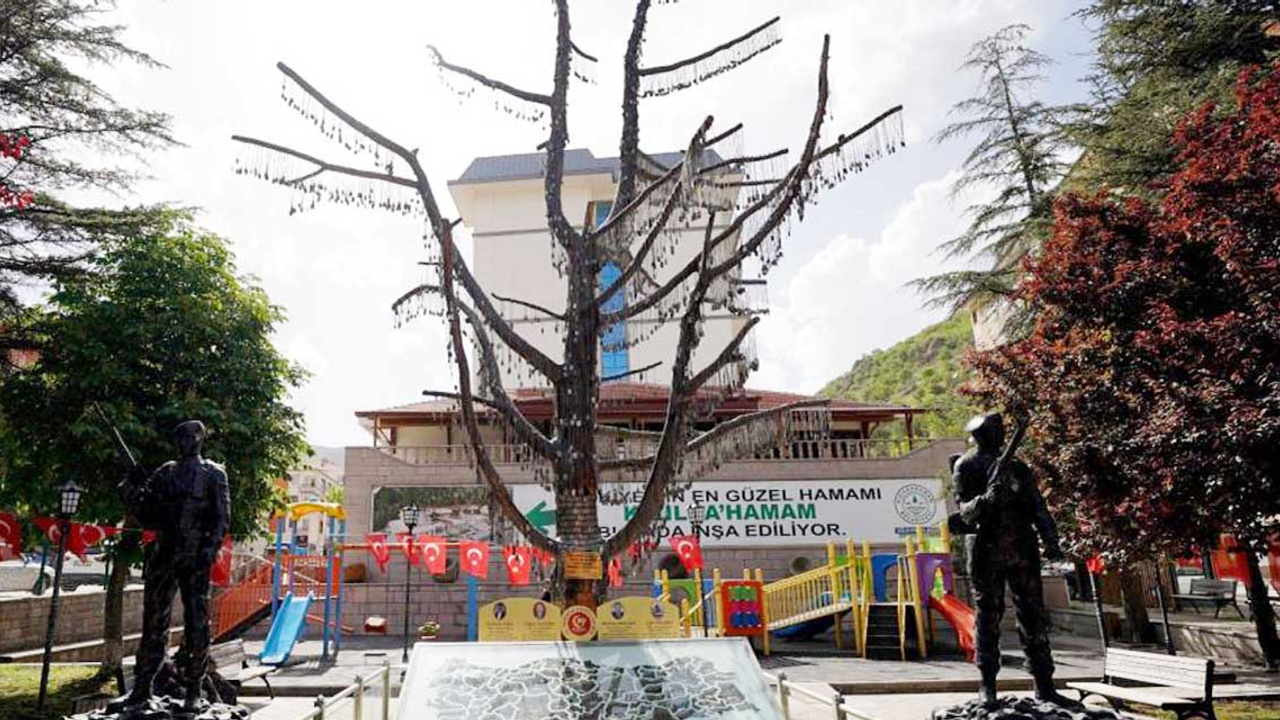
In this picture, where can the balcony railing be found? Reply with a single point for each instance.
(797, 449)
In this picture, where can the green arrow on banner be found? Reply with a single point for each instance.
(541, 516)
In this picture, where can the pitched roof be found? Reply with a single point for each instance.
(577, 161)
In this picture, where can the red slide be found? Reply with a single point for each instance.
(960, 616)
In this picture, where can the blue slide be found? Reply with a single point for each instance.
(286, 629)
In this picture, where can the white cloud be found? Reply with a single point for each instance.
(850, 297)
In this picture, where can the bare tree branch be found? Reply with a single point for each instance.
(531, 306)
(726, 356)
(502, 402)
(715, 433)
(487, 81)
(560, 227)
(629, 145)
(660, 69)
(324, 165)
(637, 261)
(629, 373)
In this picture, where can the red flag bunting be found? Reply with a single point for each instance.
(473, 557)
(519, 562)
(221, 574)
(432, 550)
(615, 572)
(688, 550)
(405, 541)
(545, 558)
(1095, 565)
(148, 536)
(84, 537)
(379, 549)
(10, 536)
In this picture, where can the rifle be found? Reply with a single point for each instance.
(120, 444)
(998, 479)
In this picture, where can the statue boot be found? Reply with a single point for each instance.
(987, 693)
(193, 704)
(130, 701)
(1046, 692)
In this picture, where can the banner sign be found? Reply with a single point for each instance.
(638, 618)
(518, 618)
(761, 513)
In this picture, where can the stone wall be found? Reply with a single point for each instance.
(23, 620)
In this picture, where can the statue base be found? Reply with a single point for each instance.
(1009, 707)
(164, 707)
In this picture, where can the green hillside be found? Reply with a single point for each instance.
(924, 370)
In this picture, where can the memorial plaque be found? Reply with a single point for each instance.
(583, 566)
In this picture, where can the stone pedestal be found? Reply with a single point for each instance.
(1021, 708)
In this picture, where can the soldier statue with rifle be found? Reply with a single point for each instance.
(186, 502)
(1002, 512)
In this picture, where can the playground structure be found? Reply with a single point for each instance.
(889, 599)
(284, 586)
(854, 585)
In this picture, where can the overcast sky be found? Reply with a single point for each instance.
(838, 292)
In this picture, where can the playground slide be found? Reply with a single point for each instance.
(811, 628)
(286, 629)
(960, 617)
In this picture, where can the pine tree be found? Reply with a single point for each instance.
(59, 132)
(1018, 157)
(1156, 61)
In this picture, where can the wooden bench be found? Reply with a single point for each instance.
(1219, 592)
(233, 665)
(1180, 684)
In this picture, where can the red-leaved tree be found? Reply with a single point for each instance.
(1152, 375)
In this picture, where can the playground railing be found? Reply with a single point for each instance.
(840, 710)
(368, 698)
(250, 593)
(830, 589)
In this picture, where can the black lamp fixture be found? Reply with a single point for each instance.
(697, 515)
(409, 515)
(68, 504)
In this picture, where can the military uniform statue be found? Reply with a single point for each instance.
(1002, 514)
(187, 503)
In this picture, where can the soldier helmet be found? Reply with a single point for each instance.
(985, 423)
(189, 426)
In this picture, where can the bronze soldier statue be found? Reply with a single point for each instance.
(1002, 512)
(187, 503)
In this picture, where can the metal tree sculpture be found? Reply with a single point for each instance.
(760, 194)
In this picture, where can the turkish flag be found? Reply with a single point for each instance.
(10, 536)
(378, 549)
(221, 575)
(406, 544)
(51, 528)
(148, 536)
(519, 561)
(615, 572)
(431, 549)
(545, 558)
(473, 557)
(689, 550)
(84, 537)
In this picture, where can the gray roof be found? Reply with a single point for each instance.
(499, 168)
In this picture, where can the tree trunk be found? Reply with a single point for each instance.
(1135, 605)
(1264, 616)
(579, 529)
(113, 609)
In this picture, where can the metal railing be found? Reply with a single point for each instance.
(840, 710)
(797, 449)
(368, 698)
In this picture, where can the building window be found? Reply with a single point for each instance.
(614, 359)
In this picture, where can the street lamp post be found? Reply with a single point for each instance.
(697, 514)
(409, 516)
(69, 502)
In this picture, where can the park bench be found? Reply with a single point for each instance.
(1219, 592)
(233, 665)
(1180, 684)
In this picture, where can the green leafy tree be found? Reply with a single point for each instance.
(925, 370)
(162, 330)
(60, 132)
(1156, 61)
(1018, 157)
